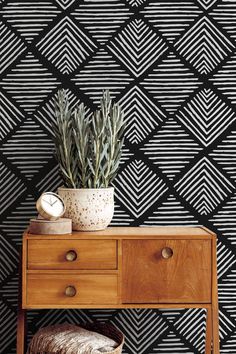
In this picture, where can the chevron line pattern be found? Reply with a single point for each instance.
(11, 116)
(172, 141)
(171, 83)
(66, 46)
(29, 83)
(171, 65)
(206, 4)
(65, 3)
(10, 47)
(204, 46)
(29, 18)
(104, 72)
(224, 154)
(141, 115)
(190, 327)
(9, 323)
(137, 46)
(204, 186)
(207, 116)
(171, 212)
(102, 18)
(224, 220)
(143, 185)
(31, 144)
(136, 2)
(135, 321)
(225, 79)
(225, 14)
(171, 18)
(11, 188)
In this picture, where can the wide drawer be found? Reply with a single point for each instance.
(72, 254)
(65, 289)
(166, 271)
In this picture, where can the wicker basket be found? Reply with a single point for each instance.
(110, 331)
(42, 338)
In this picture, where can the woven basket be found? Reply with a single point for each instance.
(43, 336)
(110, 331)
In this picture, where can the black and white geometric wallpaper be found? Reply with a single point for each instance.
(172, 67)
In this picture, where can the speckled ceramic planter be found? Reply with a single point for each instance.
(90, 209)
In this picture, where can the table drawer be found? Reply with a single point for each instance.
(72, 254)
(166, 271)
(65, 289)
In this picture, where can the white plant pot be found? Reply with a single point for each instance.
(90, 209)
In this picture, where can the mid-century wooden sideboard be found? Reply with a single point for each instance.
(121, 267)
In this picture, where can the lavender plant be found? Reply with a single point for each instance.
(64, 140)
(88, 151)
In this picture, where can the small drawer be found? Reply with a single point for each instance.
(72, 254)
(64, 289)
(166, 271)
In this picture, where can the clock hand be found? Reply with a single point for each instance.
(46, 201)
(54, 202)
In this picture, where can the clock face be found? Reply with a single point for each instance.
(52, 204)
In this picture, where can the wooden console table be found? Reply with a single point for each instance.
(123, 267)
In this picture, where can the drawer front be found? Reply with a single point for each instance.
(166, 271)
(72, 254)
(56, 290)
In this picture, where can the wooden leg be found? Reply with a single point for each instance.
(21, 331)
(214, 304)
(215, 330)
(208, 331)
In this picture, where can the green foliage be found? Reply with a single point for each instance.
(63, 139)
(88, 151)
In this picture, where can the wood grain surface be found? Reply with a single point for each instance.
(50, 289)
(150, 278)
(134, 232)
(123, 267)
(51, 254)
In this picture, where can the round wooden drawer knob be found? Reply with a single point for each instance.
(70, 291)
(167, 252)
(71, 256)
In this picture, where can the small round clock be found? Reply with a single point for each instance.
(50, 206)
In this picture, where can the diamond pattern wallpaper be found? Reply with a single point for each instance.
(172, 67)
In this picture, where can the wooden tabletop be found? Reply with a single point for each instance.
(159, 232)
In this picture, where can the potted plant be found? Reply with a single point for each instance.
(88, 152)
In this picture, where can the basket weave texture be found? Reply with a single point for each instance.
(67, 339)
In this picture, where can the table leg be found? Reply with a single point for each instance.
(21, 331)
(215, 330)
(214, 304)
(208, 344)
